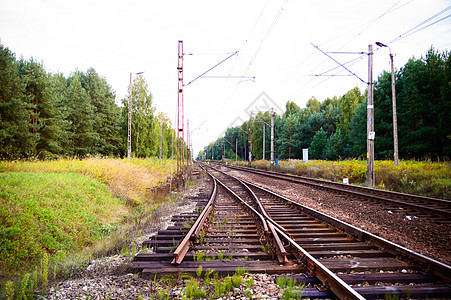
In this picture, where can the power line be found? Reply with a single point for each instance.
(368, 24)
(340, 64)
(414, 28)
(210, 69)
(263, 40)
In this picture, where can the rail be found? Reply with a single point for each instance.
(183, 247)
(438, 268)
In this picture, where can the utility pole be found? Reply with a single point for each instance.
(272, 135)
(236, 148)
(231, 147)
(180, 115)
(264, 140)
(161, 139)
(188, 144)
(129, 133)
(249, 141)
(222, 156)
(395, 119)
(370, 122)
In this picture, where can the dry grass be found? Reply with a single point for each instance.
(133, 180)
(432, 179)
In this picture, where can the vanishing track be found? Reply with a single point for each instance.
(432, 208)
(245, 226)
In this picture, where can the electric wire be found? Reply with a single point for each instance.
(390, 10)
(367, 24)
(265, 37)
(415, 30)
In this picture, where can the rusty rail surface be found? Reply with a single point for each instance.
(337, 286)
(328, 254)
(438, 268)
(331, 280)
(183, 248)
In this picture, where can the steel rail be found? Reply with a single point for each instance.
(361, 191)
(436, 267)
(340, 288)
(260, 206)
(262, 219)
(280, 248)
(183, 248)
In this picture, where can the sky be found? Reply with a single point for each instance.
(276, 59)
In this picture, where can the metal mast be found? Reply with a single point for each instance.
(370, 173)
(180, 114)
(129, 131)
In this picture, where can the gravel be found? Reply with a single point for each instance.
(111, 277)
(417, 233)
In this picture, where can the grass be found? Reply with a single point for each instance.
(54, 215)
(432, 179)
(217, 287)
(134, 179)
(290, 288)
(51, 213)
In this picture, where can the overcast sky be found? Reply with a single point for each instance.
(273, 39)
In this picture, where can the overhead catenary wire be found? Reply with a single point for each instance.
(414, 28)
(388, 11)
(265, 37)
(370, 23)
(325, 53)
(236, 52)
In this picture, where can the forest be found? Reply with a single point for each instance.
(335, 128)
(45, 115)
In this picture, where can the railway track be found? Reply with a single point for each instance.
(433, 208)
(245, 226)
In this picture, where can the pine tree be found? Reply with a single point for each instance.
(107, 115)
(16, 139)
(319, 143)
(357, 131)
(81, 115)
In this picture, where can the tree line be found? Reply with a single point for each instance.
(336, 128)
(47, 115)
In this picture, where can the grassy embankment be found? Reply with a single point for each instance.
(55, 214)
(432, 179)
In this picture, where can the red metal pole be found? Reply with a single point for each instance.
(180, 119)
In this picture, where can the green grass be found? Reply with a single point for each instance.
(432, 179)
(52, 213)
(134, 179)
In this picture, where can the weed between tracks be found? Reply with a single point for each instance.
(240, 284)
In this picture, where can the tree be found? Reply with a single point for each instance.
(347, 106)
(145, 129)
(318, 146)
(420, 104)
(357, 131)
(313, 105)
(106, 114)
(56, 135)
(383, 116)
(444, 114)
(81, 116)
(15, 111)
(337, 145)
